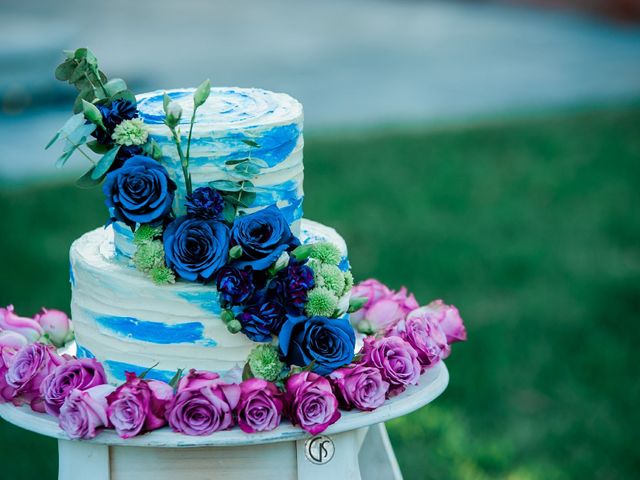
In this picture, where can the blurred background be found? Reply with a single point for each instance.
(488, 153)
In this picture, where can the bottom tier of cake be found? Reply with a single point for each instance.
(130, 324)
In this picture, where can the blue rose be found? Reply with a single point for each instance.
(235, 285)
(112, 115)
(140, 191)
(263, 236)
(329, 343)
(196, 249)
(261, 320)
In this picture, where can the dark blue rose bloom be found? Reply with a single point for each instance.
(204, 202)
(263, 236)
(196, 249)
(113, 114)
(235, 285)
(329, 343)
(139, 192)
(261, 320)
(289, 288)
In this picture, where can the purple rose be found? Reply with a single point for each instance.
(396, 360)
(56, 326)
(80, 373)
(84, 412)
(449, 319)
(383, 308)
(235, 285)
(423, 332)
(310, 402)
(29, 367)
(27, 327)
(260, 406)
(202, 406)
(12, 339)
(138, 405)
(7, 353)
(359, 386)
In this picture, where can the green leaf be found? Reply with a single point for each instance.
(127, 95)
(356, 303)
(74, 140)
(86, 181)
(235, 252)
(236, 162)
(79, 72)
(114, 86)
(97, 147)
(251, 143)
(92, 113)
(225, 185)
(246, 372)
(176, 378)
(62, 159)
(259, 163)
(65, 70)
(80, 53)
(146, 372)
(302, 252)
(102, 167)
(69, 53)
(202, 93)
(229, 213)
(250, 188)
(87, 94)
(247, 169)
(69, 126)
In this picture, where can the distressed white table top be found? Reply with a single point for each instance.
(432, 383)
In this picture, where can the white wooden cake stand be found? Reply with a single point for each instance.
(287, 453)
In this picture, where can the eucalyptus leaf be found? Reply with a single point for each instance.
(65, 70)
(69, 53)
(202, 93)
(79, 72)
(92, 113)
(225, 185)
(259, 163)
(251, 143)
(62, 159)
(250, 188)
(246, 372)
(127, 95)
(102, 167)
(247, 169)
(247, 199)
(229, 213)
(237, 161)
(80, 53)
(86, 180)
(115, 85)
(97, 147)
(69, 126)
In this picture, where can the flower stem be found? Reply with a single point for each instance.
(184, 161)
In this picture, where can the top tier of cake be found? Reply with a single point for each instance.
(224, 131)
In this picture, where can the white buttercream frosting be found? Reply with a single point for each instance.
(129, 323)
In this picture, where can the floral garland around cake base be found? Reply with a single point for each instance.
(405, 341)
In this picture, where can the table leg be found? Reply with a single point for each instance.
(78, 460)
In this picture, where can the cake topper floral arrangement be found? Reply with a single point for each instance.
(294, 300)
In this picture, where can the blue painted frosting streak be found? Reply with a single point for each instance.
(293, 211)
(207, 300)
(153, 332)
(118, 370)
(72, 278)
(344, 264)
(82, 352)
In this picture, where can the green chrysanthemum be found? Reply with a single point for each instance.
(332, 278)
(162, 275)
(321, 302)
(146, 233)
(348, 281)
(264, 362)
(148, 256)
(326, 252)
(130, 132)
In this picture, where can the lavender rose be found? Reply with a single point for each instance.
(449, 319)
(202, 405)
(56, 326)
(138, 405)
(12, 339)
(396, 360)
(423, 332)
(29, 367)
(260, 406)
(383, 308)
(359, 386)
(84, 412)
(7, 353)
(310, 402)
(81, 374)
(27, 327)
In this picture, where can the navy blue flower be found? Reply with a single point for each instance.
(263, 236)
(328, 343)
(113, 114)
(204, 202)
(196, 249)
(261, 320)
(290, 286)
(235, 285)
(140, 191)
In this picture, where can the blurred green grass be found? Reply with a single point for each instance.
(531, 228)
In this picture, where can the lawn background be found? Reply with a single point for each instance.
(530, 227)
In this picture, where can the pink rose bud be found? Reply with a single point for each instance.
(27, 327)
(80, 373)
(310, 402)
(360, 387)
(138, 406)
(396, 359)
(260, 406)
(56, 326)
(28, 369)
(450, 321)
(12, 339)
(84, 413)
